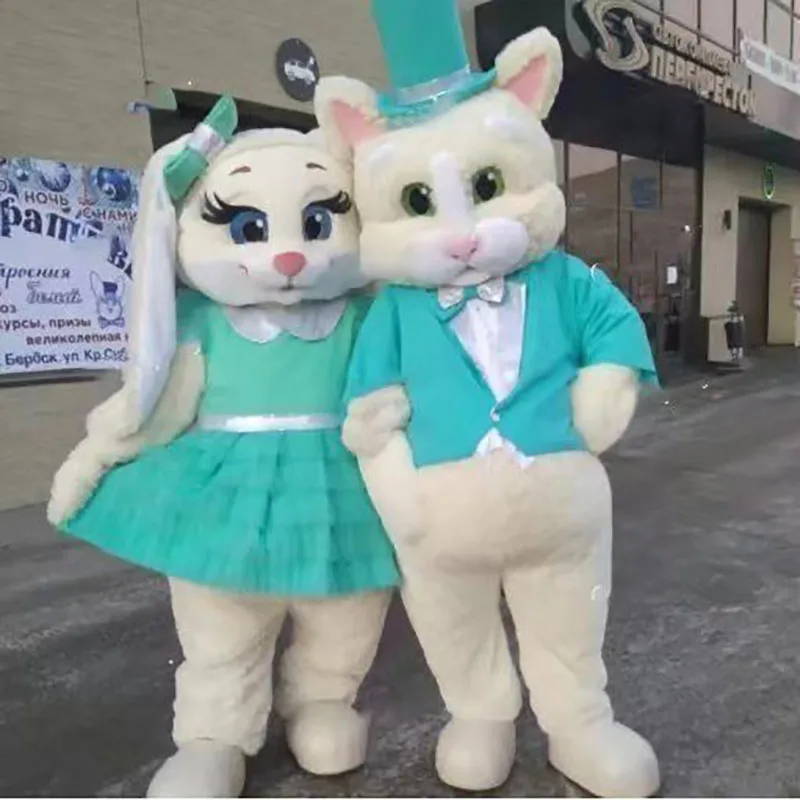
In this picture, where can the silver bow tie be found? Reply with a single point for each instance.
(492, 291)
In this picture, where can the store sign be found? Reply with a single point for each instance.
(65, 267)
(297, 69)
(758, 58)
(630, 42)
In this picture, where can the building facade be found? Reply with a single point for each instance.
(678, 134)
(678, 161)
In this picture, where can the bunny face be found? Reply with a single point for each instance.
(271, 224)
(108, 298)
(466, 195)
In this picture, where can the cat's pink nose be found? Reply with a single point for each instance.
(462, 248)
(289, 264)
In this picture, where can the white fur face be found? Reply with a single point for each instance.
(271, 224)
(465, 196)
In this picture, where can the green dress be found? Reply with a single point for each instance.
(283, 512)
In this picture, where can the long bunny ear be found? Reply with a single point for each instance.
(530, 68)
(151, 311)
(347, 112)
(96, 284)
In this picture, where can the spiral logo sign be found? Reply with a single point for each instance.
(626, 40)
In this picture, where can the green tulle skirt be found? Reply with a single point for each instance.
(281, 513)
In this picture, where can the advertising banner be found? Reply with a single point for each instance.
(758, 58)
(65, 266)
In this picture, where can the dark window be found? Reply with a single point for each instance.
(592, 176)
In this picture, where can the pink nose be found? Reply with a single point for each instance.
(289, 264)
(462, 247)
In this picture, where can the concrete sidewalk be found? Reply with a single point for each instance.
(703, 647)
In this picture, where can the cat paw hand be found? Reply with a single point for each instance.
(371, 420)
(75, 482)
(604, 400)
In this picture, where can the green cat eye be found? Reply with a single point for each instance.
(417, 200)
(487, 183)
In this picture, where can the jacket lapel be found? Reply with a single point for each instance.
(459, 353)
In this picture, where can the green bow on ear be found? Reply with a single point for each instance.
(206, 141)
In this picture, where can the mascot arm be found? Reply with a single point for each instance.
(615, 355)
(377, 405)
(104, 446)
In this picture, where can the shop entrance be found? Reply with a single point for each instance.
(752, 271)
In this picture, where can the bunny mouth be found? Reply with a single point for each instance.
(469, 276)
(287, 286)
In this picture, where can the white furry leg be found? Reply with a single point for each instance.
(559, 611)
(456, 617)
(202, 768)
(333, 646)
(223, 688)
(604, 401)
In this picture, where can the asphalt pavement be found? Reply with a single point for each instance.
(703, 646)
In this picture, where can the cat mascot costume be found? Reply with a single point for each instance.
(513, 365)
(220, 462)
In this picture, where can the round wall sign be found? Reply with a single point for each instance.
(769, 182)
(297, 68)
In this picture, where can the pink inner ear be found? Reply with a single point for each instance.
(528, 84)
(352, 123)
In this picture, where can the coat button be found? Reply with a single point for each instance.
(494, 416)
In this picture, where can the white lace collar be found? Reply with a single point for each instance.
(310, 321)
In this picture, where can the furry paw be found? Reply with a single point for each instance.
(371, 420)
(328, 738)
(603, 404)
(202, 768)
(75, 481)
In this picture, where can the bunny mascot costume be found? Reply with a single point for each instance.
(488, 375)
(220, 462)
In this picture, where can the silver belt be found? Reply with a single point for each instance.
(260, 423)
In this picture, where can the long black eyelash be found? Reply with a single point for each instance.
(218, 212)
(338, 204)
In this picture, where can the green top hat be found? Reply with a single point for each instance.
(426, 57)
(183, 170)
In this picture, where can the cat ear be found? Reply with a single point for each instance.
(347, 112)
(530, 68)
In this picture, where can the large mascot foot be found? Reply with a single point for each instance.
(608, 760)
(203, 768)
(328, 738)
(476, 755)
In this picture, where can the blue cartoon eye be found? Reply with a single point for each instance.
(317, 223)
(249, 226)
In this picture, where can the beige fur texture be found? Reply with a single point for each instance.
(604, 401)
(469, 194)
(500, 130)
(245, 274)
(372, 420)
(282, 174)
(104, 448)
